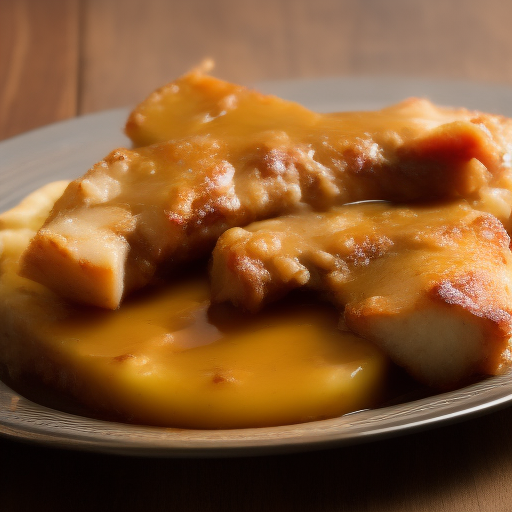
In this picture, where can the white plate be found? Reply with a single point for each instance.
(67, 149)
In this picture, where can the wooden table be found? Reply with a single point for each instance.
(62, 58)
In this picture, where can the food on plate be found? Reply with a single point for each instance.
(224, 156)
(105, 294)
(430, 285)
(166, 358)
(196, 103)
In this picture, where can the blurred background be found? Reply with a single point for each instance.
(80, 56)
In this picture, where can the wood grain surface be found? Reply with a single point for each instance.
(62, 58)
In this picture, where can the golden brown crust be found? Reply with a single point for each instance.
(432, 286)
(235, 156)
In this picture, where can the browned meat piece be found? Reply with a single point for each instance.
(432, 286)
(152, 207)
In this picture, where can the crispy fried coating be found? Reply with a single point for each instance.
(225, 156)
(432, 286)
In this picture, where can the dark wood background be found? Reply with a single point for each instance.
(63, 58)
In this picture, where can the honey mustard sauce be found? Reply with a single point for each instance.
(168, 358)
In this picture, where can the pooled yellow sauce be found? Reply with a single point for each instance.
(168, 358)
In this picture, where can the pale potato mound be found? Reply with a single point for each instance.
(17, 226)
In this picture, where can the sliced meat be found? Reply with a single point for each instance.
(432, 286)
(141, 210)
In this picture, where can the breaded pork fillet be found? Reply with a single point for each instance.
(238, 156)
(432, 286)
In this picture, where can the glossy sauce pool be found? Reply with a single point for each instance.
(169, 358)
